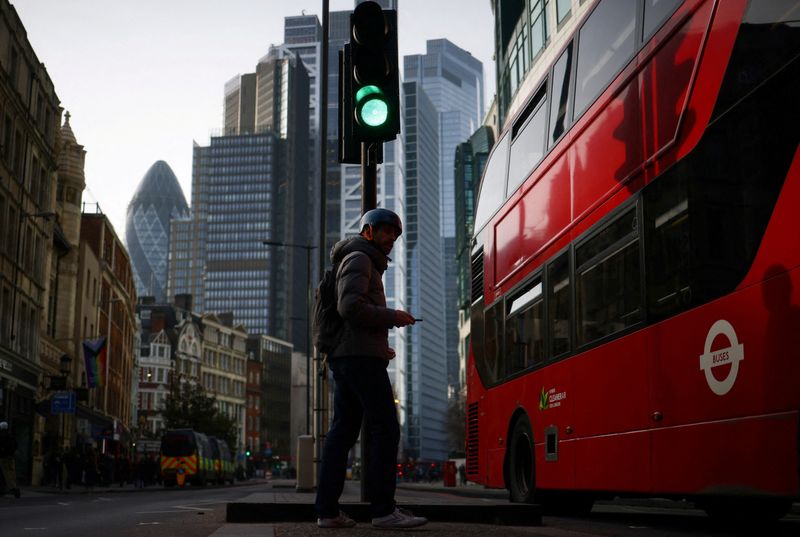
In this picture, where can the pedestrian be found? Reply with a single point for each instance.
(361, 384)
(462, 473)
(8, 450)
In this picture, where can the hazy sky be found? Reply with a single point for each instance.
(143, 79)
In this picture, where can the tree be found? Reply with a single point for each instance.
(187, 406)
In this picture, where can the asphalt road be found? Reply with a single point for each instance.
(201, 512)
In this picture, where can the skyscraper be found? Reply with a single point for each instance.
(453, 79)
(426, 369)
(157, 200)
(251, 185)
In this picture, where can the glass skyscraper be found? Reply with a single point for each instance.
(251, 185)
(426, 371)
(453, 79)
(157, 200)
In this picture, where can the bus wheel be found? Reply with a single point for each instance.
(521, 471)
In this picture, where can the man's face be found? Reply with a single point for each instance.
(383, 237)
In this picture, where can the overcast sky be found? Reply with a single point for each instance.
(143, 79)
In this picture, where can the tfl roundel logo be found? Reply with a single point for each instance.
(731, 355)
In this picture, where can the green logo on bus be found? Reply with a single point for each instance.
(544, 400)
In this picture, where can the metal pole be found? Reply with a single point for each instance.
(320, 379)
(369, 200)
(308, 338)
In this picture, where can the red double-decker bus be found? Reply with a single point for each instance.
(635, 318)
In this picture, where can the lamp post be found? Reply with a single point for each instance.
(308, 248)
(65, 368)
(23, 215)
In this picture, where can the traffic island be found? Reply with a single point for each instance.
(297, 507)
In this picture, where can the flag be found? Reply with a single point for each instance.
(94, 354)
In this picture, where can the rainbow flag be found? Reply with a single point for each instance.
(94, 354)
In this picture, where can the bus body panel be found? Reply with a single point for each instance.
(640, 413)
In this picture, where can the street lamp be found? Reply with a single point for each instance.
(308, 248)
(64, 367)
(23, 215)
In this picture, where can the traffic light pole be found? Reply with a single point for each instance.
(369, 176)
(369, 200)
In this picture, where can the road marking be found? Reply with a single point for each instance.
(63, 503)
(34, 529)
(149, 523)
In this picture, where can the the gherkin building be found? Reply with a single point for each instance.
(157, 199)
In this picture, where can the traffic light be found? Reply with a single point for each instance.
(373, 74)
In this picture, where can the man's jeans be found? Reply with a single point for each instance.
(361, 387)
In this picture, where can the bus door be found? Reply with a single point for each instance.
(609, 392)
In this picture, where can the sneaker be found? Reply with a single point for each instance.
(341, 521)
(400, 518)
(16, 493)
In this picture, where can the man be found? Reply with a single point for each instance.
(361, 383)
(8, 447)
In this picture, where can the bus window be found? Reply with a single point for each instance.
(560, 305)
(525, 328)
(560, 95)
(655, 13)
(492, 349)
(527, 149)
(666, 217)
(607, 42)
(493, 184)
(607, 280)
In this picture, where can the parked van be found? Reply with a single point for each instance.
(187, 451)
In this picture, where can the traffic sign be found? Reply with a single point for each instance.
(63, 403)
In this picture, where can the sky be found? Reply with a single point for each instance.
(143, 79)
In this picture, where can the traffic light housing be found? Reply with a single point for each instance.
(373, 94)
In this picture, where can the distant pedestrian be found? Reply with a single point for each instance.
(8, 450)
(362, 389)
(462, 473)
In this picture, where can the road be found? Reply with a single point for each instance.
(201, 512)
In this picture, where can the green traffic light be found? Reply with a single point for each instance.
(371, 106)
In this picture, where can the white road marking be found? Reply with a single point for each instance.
(149, 523)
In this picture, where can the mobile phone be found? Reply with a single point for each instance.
(418, 320)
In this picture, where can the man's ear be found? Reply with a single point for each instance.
(367, 233)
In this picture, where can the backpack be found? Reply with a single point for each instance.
(327, 324)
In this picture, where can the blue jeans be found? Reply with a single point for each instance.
(361, 388)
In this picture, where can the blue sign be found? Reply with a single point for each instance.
(63, 403)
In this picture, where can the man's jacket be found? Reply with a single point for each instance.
(361, 300)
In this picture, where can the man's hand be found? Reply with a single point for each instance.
(403, 318)
(392, 354)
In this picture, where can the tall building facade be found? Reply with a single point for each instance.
(426, 368)
(29, 125)
(453, 79)
(157, 200)
(251, 185)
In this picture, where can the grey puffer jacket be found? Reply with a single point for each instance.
(362, 300)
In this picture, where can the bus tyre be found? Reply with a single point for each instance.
(521, 470)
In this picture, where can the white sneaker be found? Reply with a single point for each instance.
(341, 521)
(400, 518)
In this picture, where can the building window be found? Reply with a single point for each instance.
(563, 8)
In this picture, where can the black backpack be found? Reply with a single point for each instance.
(327, 324)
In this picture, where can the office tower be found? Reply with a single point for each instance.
(426, 371)
(453, 80)
(251, 185)
(157, 200)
